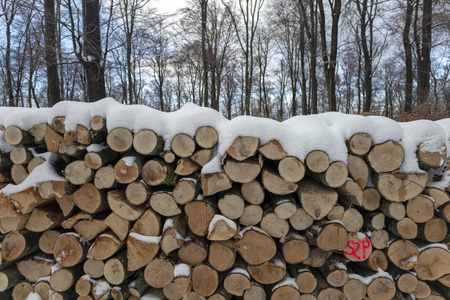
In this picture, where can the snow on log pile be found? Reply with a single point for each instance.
(104, 200)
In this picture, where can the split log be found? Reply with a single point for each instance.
(118, 225)
(317, 161)
(202, 157)
(47, 241)
(242, 171)
(101, 290)
(206, 137)
(51, 189)
(444, 212)
(173, 235)
(13, 223)
(221, 228)
(183, 279)
(33, 163)
(66, 204)
(183, 145)
(186, 189)
(194, 250)
(149, 224)
(405, 228)
(104, 178)
(275, 184)
(400, 187)
(159, 272)
(44, 218)
(358, 170)
(90, 199)
(433, 158)
(440, 197)
(163, 203)
(119, 204)
(19, 173)
(9, 278)
(371, 199)
(20, 155)
(97, 159)
(317, 200)
(19, 244)
(63, 279)
(199, 214)
(291, 169)
(251, 216)
(129, 168)
(77, 172)
(433, 231)
(58, 123)
(13, 135)
(359, 143)
(205, 280)
(253, 192)
(146, 142)
(243, 148)
(214, 183)
(94, 268)
(120, 139)
(105, 246)
(90, 229)
(158, 172)
(386, 157)
(301, 220)
(116, 269)
(35, 267)
(351, 193)
(272, 150)
(294, 248)
(70, 222)
(186, 167)
(70, 249)
(221, 255)
(403, 254)
(25, 201)
(52, 140)
(255, 246)
(141, 249)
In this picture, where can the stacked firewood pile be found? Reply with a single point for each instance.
(100, 213)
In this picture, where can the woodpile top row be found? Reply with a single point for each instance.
(103, 201)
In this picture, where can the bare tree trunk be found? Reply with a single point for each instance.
(204, 6)
(93, 64)
(9, 18)
(408, 57)
(53, 94)
(423, 76)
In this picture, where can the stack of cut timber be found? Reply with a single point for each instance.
(89, 211)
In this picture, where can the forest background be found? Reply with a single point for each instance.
(267, 58)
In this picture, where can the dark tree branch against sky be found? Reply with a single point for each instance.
(255, 57)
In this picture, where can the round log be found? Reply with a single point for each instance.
(90, 199)
(183, 145)
(120, 139)
(206, 137)
(291, 169)
(359, 143)
(146, 142)
(386, 157)
(317, 161)
(253, 192)
(243, 147)
(70, 249)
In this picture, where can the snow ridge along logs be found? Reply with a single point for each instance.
(104, 200)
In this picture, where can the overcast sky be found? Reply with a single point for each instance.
(168, 6)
